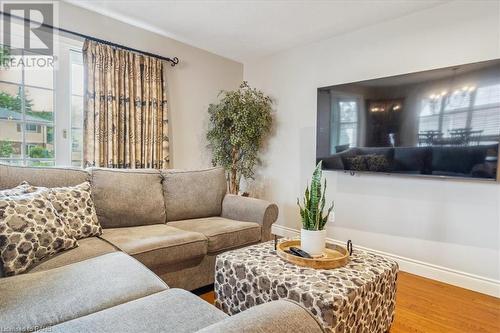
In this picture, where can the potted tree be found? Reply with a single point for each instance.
(313, 233)
(238, 126)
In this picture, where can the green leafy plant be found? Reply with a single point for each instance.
(4, 55)
(39, 152)
(239, 123)
(6, 100)
(14, 102)
(313, 203)
(6, 148)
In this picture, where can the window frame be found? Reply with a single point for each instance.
(72, 128)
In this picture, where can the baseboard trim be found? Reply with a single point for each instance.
(439, 273)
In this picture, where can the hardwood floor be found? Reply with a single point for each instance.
(424, 305)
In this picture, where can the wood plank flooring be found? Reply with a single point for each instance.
(424, 305)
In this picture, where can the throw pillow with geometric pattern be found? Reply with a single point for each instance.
(377, 163)
(356, 163)
(76, 208)
(30, 230)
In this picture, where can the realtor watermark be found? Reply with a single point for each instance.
(28, 36)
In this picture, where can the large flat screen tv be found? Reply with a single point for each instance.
(443, 122)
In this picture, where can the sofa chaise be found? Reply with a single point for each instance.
(169, 222)
(116, 293)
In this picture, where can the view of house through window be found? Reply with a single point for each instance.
(41, 110)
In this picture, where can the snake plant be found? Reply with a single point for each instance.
(313, 203)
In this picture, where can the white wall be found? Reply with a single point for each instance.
(192, 85)
(445, 229)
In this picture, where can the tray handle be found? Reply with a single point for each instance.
(349, 246)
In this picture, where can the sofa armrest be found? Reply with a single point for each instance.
(274, 317)
(251, 210)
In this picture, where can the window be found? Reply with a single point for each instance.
(348, 122)
(430, 114)
(33, 128)
(488, 95)
(486, 115)
(30, 128)
(470, 113)
(458, 100)
(41, 110)
(27, 116)
(344, 127)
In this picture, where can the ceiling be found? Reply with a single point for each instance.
(244, 30)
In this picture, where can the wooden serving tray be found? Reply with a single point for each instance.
(334, 256)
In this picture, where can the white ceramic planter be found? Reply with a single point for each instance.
(313, 241)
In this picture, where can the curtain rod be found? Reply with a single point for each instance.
(173, 61)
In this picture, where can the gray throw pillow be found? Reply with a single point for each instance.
(30, 230)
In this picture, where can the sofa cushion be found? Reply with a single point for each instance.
(173, 310)
(30, 230)
(332, 163)
(87, 248)
(222, 233)
(126, 198)
(278, 316)
(76, 208)
(50, 297)
(11, 176)
(457, 159)
(193, 194)
(412, 159)
(157, 245)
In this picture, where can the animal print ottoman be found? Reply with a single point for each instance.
(359, 297)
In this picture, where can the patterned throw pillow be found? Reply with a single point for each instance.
(30, 230)
(23, 188)
(76, 208)
(356, 163)
(377, 163)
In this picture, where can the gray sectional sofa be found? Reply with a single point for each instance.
(161, 231)
(174, 222)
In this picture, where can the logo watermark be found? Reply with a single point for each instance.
(28, 36)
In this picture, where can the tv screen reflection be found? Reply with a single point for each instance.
(443, 122)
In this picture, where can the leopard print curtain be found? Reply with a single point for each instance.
(125, 109)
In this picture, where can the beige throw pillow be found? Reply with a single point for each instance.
(75, 206)
(30, 230)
